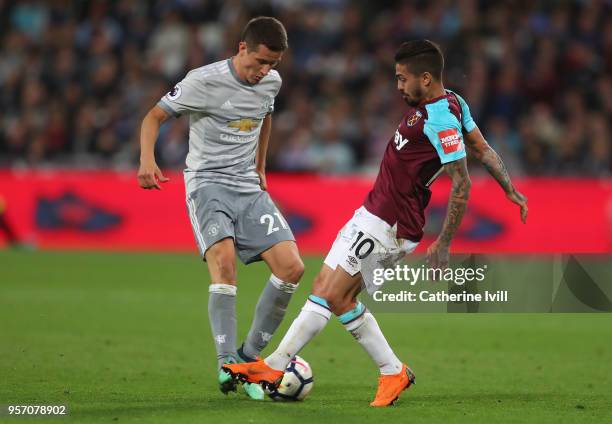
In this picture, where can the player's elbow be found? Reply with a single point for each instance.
(292, 271)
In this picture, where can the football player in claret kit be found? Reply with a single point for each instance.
(432, 136)
(229, 104)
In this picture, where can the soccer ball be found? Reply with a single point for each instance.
(296, 383)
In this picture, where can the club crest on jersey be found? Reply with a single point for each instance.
(175, 93)
(450, 140)
(414, 119)
(244, 124)
(399, 140)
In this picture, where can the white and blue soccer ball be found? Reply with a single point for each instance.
(296, 383)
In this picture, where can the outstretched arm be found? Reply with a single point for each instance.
(439, 251)
(262, 151)
(480, 149)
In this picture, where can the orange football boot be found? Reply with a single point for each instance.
(257, 372)
(390, 386)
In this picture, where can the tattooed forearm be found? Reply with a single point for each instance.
(457, 202)
(495, 167)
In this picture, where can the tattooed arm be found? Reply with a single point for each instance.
(439, 251)
(480, 149)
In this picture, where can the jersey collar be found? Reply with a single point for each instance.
(235, 74)
(435, 99)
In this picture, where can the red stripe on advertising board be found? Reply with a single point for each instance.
(107, 210)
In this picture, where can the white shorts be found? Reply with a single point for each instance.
(365, 243)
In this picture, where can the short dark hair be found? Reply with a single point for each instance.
(421, 56)
(267, 31)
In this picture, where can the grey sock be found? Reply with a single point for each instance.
(269, 313)
(222, 317)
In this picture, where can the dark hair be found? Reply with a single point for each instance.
(267, 31)
(421, 56)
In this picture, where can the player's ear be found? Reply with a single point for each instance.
(426, 78)
(242, 47)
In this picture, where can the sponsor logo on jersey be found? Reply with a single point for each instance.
(175, 93)
(353, 260)
(399, 140)
(245, 124)
(414, 119)
(238, 138)
(450, 140)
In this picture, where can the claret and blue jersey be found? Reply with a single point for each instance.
(428, 136)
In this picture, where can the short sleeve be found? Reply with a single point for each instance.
(271, 107)
(443, 130)
(278, 82)
(466, 116)
(186, 96)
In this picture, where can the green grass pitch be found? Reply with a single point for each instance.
(125, 338)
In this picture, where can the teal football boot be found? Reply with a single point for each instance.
(226, 382)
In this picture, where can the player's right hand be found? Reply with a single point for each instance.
(149, 176)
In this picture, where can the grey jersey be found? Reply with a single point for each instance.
(225, 119)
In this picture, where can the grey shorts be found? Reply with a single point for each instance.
(254, 222)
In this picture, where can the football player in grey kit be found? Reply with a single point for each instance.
(229, 104)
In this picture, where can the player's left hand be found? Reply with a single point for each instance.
(262, 180)
(438, 255)
(518, 198)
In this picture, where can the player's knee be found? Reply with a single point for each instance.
(292, 272)
(226, 269)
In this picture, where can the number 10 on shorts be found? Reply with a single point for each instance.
(364, 248)
(269, 220)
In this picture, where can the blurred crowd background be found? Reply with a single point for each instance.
(76, 78)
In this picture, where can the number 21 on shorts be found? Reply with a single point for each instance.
(269, 220)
